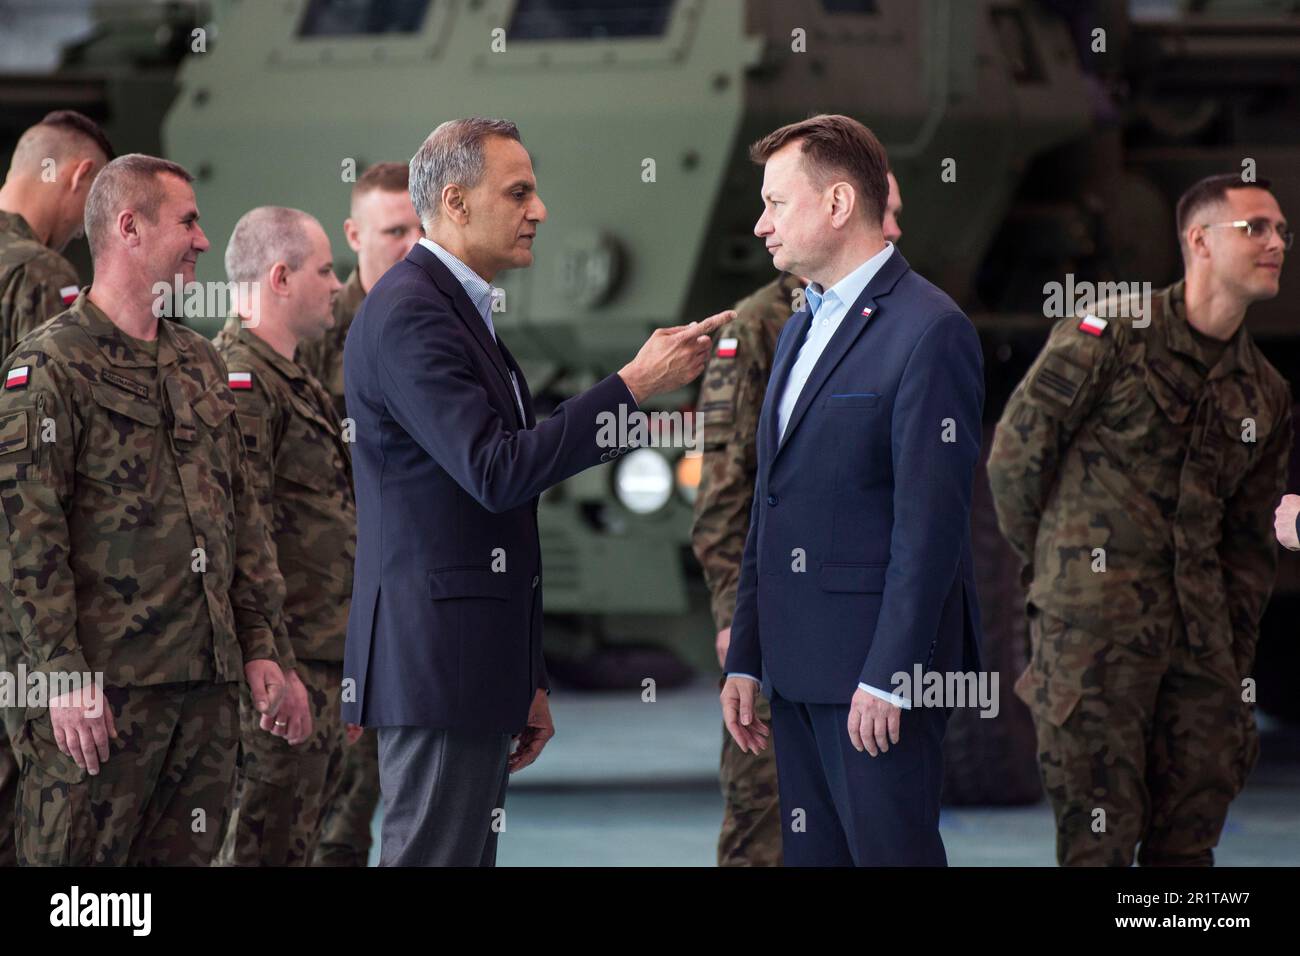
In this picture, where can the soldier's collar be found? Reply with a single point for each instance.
(286, 367)
(116, 346)
(14, 223)
(1238, 353)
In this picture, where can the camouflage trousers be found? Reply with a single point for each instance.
(345, 836)
(161, 798)
(1143, 742)
(751, 817)
(8, 801)
(281, 791)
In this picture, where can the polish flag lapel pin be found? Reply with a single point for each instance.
(17, 377)
(866, 312)
(241, 380)
(1093, 325)
(69, 294)
(727, 348)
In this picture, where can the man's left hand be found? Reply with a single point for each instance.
(873, 722)
(540, 729)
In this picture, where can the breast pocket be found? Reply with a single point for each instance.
(121, 441)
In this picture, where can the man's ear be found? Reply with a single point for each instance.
(843, 202)
(453, 204)
(82, 172)
(278, 279)
(1197, 243)
(128, 227)
(352, 233)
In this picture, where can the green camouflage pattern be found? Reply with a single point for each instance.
(132, 543)
(323, 357)
(346, 836)
(345, 833)
(1136, 746)
(32, 279)
(731, 398)
(281, 791)
(300, 468)
(1135, 473)
(161, 798)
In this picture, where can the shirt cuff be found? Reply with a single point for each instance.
(894, 699)
(750, 676)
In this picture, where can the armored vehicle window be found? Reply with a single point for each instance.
(849, 6)
(588, 19)
(337, 18)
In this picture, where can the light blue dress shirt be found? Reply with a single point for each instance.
(480, 293)
(828, 308)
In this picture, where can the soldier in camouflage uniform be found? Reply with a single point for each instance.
(381, 229)
(1135, 471)
(36, 283)
(731, 398)
(298, 462)
(133, 549)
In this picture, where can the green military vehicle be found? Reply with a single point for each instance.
(1032, 140)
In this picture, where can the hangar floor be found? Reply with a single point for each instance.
(628, 783)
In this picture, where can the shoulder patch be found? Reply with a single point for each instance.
(17, 377)
(13, 432)
(1058, 380)
(1092, 325)
(240, 380)
(727, 348)
(69, 294)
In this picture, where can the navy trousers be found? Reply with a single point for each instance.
(840, 807)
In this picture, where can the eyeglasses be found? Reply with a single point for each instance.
(1257, 229)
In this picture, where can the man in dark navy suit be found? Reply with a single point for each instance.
(444, 646)
(857, 573)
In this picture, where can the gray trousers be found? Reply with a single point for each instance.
(444, 796)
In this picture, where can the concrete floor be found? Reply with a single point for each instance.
(629, 783)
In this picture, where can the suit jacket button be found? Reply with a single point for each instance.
(771, 499)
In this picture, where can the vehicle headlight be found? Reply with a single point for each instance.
(643, 481)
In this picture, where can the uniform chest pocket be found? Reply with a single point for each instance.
(120, 443)
(1175, 396)
(308, 456)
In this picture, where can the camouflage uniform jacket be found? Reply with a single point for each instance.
(1129, 451)
(301, 468)
(36, 283)
(131, 543)
(731, 398)
(324, 356)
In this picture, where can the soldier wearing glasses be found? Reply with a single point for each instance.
(1135, 471)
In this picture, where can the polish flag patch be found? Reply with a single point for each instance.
(727, 348)
(17, 377)
(867, 311)
(69, 294)
(241, 380)
(1093, 325)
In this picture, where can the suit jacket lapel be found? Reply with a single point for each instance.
(465, 310)
(851, 328)
(781, 364)
(525, 396)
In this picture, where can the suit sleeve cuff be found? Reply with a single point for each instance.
(894, 699)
